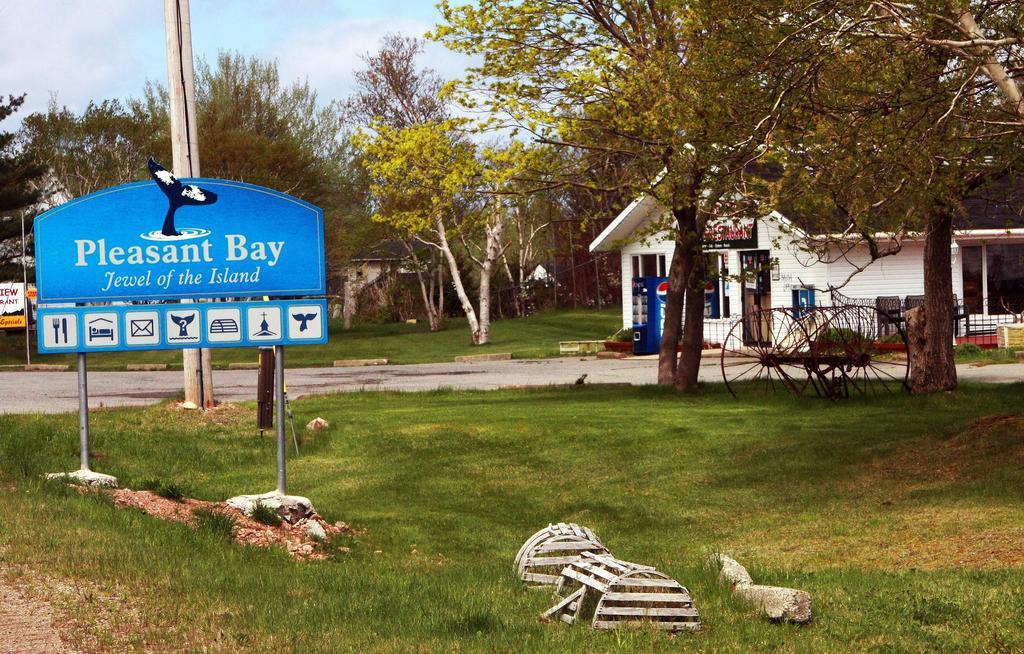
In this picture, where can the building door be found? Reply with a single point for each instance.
(756, 288)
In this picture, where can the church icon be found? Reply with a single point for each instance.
(264, 323)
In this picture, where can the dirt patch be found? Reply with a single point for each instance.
(985, 444)
(26, 624)
(246, 531)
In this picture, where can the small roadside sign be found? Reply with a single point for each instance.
(12, 305)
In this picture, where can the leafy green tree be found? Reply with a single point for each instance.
(909, 112)
(672, 87)
(393, 92)
(20, 181)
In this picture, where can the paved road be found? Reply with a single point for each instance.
(56, 392)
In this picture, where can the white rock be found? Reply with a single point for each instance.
(776, 603)
(189, 405)
(315, 530)
(292, 508)
(86, 478)
(316, 424)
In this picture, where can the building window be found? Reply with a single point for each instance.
(970, 258)
(649, 265)
(636, 265)
(661, 266)
(1005, 276)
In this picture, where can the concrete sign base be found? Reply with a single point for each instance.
(291, 508)
(86, 478)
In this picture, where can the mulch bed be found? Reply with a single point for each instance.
(294, 538)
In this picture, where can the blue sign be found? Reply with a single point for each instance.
(177, 326)
(170, 239)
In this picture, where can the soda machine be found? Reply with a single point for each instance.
(648, 313)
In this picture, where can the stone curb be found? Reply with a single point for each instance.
(355, 363)
(145, 367)
(47, 367)
(471, 358)
(243, 366)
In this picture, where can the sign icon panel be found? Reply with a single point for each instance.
(224, 325)
(59, 330)
(142, 328)
(101, 330)
(182, 326)
(176, 326)
(264, 323)
(305, 322)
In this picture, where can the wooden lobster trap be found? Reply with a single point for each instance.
(834, 352)
(543, 556)
(616, 594)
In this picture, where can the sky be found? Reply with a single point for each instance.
(82, 50)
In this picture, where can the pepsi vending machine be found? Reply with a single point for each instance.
(648, 313)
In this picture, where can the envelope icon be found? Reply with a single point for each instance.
(142, 327)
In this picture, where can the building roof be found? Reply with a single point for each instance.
(1000, 206)
(639, 212)
(383, 251)
(987, 213)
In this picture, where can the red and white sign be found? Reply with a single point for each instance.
(662, 291)
(12, 305)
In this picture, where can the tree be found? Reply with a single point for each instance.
(430, 181)
(673, 88)
(393, 92)
(909, 113)
(19, 188)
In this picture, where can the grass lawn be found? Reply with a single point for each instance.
(903, 518)
(533, 337)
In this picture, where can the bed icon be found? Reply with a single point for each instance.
(101, 328)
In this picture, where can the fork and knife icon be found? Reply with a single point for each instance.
(60, 326)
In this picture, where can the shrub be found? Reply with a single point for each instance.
(215, 522)
(265, 514)
(968, 350)
(624, 335)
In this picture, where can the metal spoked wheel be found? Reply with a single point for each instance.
(852, 357)
(768, 350)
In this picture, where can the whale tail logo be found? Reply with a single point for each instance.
(303, 319)
(178, 195)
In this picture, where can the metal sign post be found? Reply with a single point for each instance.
(83, 413)
(282, 481)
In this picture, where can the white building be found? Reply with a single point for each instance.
(987, 267)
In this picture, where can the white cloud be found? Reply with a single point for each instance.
(328, 55)
(78, 50)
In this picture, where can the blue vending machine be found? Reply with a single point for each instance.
(648, 313)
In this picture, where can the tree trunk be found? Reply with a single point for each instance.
(460, 289)
(492, 250)
(678, 271)
(688, 370)
(930, 331)
(348, 302)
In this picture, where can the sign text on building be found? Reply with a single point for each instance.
(12, 305)
(731, 235)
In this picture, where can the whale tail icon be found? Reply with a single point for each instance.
(178, 195)
(303, 319)
(183, 322)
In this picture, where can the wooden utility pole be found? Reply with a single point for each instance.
(181, 87)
